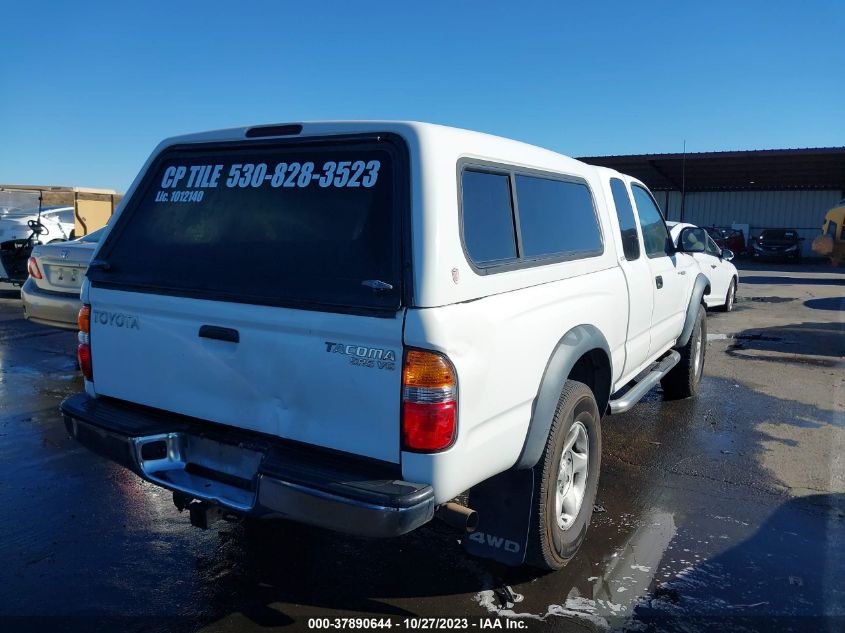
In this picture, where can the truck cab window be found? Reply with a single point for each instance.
(625, 214)
(655, 235)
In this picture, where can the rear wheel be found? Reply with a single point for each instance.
(683, 379)
(567, 476)
(730, 298)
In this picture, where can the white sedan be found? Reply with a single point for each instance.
(715, 263)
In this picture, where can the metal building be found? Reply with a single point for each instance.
(752, 190)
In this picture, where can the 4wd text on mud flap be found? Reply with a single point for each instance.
(492, 540)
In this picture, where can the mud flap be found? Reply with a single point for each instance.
(503, 504)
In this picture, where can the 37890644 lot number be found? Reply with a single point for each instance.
(414, 623)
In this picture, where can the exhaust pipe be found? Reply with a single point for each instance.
(458, 516)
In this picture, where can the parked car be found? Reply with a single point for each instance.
(715, 263)
(58, 223)
(51, 292)
(777, 244)
(21, 229)
(348, 324)
(727, 238)
(831, 242)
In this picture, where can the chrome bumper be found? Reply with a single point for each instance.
(248, 473)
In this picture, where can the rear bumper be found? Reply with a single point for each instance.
(50, 308)
(249, 473)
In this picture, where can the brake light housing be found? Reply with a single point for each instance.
(33, 269)
(429, 402)
(83, 349)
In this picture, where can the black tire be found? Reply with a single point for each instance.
(730, 298)
(685, 377)
(550, 546)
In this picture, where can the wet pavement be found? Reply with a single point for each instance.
(724, 512)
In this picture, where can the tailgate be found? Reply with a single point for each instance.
(327, 379)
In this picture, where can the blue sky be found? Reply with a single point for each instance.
(88, 89)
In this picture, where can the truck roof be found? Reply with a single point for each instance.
(439, 140)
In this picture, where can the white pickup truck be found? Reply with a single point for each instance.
(349, 324)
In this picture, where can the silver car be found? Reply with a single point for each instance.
(51, 293)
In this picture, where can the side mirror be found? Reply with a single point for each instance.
(692, 240)
(727, 254)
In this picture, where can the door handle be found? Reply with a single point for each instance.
(220, 333)
(659, 281)
(682, 272)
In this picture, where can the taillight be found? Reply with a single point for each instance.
(429, 401)
(83, 350)
(33, 269)
(83, 320)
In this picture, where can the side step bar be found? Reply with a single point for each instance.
(646, 384)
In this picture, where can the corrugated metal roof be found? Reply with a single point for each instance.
(767, 169)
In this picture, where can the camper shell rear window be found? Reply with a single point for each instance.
(311, 223)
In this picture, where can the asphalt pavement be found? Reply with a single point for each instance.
(722, 512)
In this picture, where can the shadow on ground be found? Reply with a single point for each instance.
(746, 588)
(827, 303)
(795, 342)
(10, 293)
(791, 281)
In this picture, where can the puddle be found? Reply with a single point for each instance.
(745, 347)
(758, 337)
(16, 336)
(610, 595)
(769, 299)
(747, 337)
(664, 576)
(739, 351)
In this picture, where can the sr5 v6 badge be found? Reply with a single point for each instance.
(365, 356)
